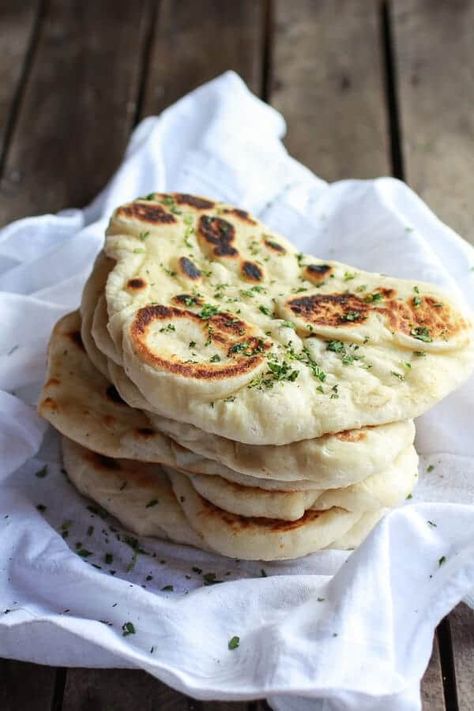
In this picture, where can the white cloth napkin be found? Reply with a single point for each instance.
(330, 631)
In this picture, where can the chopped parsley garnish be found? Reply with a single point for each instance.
(430, 468)
(335, 346)
(335, 392)
(351, 316)
(215, 358)
(167, 588)
(138, 250)
(168, 329)
(41, 508)
(233, 642)
(188, 300)
(192, 344)
(349, 275)
(288, 324)
(169, 202)
(421, 333)
(245, 348)
(170, 272)
(231, 398)
(210, 579)
(265, 310)
(151, 503)
(419, 354)
(207, 311)
(108, 558)
(373, 298)
(128, 628)
(347, 352)
(432, 524)
(41, 473)
(83, 552)
(397, 375)
(263, 573)
(442, 560)
(197, 570)
(143, 236)
(417, 301)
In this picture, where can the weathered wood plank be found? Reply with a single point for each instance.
(26, 686)
(461, 622)
(124, 689)
(434, 47)
(17, 21)
(327, 79)
(196, 41)
(432, 693)
(78, 105)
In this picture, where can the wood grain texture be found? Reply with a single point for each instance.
(78, 105)
(17, 21)
(26, 687)
(432, 693)
(461, 622)
(434, 48)
(125, 689)
(196, 40)
(327, 80)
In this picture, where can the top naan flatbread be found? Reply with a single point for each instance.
(223, 324)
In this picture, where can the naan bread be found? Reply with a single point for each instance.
(138, 494)
(90, 295)
(259, 538)
(383, 490)
(83, 405)
(224, 325)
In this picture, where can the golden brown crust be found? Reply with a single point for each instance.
(150, 213)
(216, 236)
(233, 337)
(346, 310)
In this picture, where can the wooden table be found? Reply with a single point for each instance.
(367, 87)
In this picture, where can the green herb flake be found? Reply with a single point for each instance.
(197, 570)
(265, 310)
(108, 558)
(138, 250)
(151, 503)
(128, 628)
(207, 311)
(351, 316)
(442, 560)
(41, 508)
(432, 524)
(399, 376)
(167, 588)
(41, 473)
(348, 276)
(420, 354)
(233, 642)
(263, 573)
(410, 496)
(421, 333)
(215, 358)
(430, 468)
(143, 236)
(192, 344)
(83, 552)
(373, 298)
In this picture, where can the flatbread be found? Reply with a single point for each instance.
(259, 538)
(90, 295)
(383, 490)
(83, 405)
(222, 324)
(138, 494)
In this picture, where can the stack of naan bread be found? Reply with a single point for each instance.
(220, 389)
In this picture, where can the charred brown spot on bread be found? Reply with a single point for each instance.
(76, 338)
(102, 461)
(193, 201)
(216, 236)
(146, 212)
(240, 215)
(251, 271)
(351, 435)
(330, 309)
(317, 273)
(272, 525)
(189, 269)
(51, 382)
(274, 246)
(425, 318)
(137, 283)
(48, 404)
(222, 329)
(187, 300)
(113, 394)
(145, 432)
